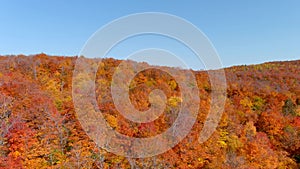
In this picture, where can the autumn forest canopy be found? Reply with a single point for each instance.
(39, 128)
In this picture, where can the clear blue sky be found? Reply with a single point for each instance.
(243, 32)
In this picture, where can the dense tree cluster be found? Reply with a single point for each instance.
(260, 126)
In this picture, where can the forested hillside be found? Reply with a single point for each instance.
(260, 126)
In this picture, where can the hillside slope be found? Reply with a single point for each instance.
(260, 126)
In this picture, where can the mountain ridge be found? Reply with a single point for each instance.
(260, 126)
